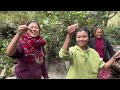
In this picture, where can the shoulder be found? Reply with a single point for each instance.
(93, 51)
(92, 39)
(105, 39)
(73, 48)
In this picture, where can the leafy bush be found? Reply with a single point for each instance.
(113, 34)
(53, 27)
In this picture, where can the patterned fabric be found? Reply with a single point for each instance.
(33, 48)
(104, 74)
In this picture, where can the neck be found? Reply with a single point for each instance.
(84, 48)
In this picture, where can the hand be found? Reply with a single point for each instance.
(71, 29)
(22, 29)
(117, 55)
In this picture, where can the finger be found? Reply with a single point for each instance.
(71, 28)
(71, 31)
(22, 29)
(23, 26)
(30, 29)
(118, 53)
(74, 25)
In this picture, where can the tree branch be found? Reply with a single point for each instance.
(113, 14)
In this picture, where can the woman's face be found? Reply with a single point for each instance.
(33, 29)
(82, 39)
(99, 33)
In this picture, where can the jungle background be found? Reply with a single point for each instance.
(54, 25)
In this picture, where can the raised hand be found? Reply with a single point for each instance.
(71, 29)
(22, 29)
(117, 55)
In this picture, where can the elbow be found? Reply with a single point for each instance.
(106, 66)
(8, 53)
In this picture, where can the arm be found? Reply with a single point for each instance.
(64, 51)
(112, 60)
(71, 30)
(67, 43)
(11, 49)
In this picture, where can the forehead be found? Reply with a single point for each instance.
(33, 24)
(82, 33)
(98, 30)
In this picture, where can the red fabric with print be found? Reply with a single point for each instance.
(33, 47)
(104, 73)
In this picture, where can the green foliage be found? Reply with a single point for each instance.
(53, 26)
(7, 63)
(3, 45)
(113, 33)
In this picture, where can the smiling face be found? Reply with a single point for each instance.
(98, 33)
(82, 39)
(34, 29)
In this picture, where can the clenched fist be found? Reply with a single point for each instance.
(71, 29)
(22, 29)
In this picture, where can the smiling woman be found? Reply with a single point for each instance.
(85, 62)
(104, 48)
(27, 47)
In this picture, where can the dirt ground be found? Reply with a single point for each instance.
(57, 70)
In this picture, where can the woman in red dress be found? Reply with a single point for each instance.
(104, 48)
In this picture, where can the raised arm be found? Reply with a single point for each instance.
(65, 52)
(13, 44)
(71, 29)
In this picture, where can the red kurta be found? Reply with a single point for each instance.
(103, 74)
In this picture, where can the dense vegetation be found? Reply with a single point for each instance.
(53, 24)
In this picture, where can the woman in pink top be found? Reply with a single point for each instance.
(104, 48)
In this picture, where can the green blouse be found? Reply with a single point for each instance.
(83, 64)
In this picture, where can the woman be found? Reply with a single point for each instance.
(104, 48)
(27, 47)
(85, 61)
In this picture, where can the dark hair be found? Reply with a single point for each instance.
(82, 29)
(98, 28)
(33, 21)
